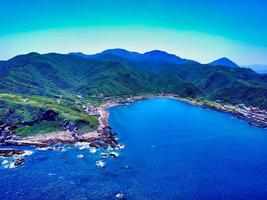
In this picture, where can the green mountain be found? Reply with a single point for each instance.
(33, 83)
(151, 56)
(56, 74)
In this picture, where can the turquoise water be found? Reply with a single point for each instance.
(173, 151)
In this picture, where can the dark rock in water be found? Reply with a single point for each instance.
(48, 115)
(19, 161)
(10, 152)
(105, 146)
(59, 148)
(94, 144)
(114, 154)
(110, 139)
(104, 155)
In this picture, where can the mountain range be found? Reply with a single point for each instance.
(32, 83)
(151, 56)
(118, 72)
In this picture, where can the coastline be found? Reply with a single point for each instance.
(252, 115)
(104, 136)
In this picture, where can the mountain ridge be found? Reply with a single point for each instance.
(154, 55)
(52, 74)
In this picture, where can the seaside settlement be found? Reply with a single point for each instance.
(104, 136)
(252, 115)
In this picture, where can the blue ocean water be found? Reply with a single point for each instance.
(173, 151)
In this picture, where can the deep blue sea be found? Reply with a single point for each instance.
(173, 151)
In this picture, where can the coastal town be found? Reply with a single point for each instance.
(253, 115)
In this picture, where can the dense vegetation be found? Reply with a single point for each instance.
(33, 83)
(36, 114)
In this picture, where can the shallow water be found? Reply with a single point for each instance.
(173, 151)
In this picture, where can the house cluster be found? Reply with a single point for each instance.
(123, 100)
(253, 114)
(91, 110)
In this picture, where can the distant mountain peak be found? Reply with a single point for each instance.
(154, 56)
(158, 52)
(224, 62)
(80, 54)
(118, 50)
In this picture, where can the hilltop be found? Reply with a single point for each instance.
(223, 62)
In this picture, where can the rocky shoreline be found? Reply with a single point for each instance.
(104, 136)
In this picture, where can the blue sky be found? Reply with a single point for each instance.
(198, 29)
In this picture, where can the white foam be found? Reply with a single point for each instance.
(43, 148)
(100, 163)
(80, 156)
(4, 162)
(92, 150)
(121, 146)
(120, 196)
(10, 166)
(27, 153)
(82, 145)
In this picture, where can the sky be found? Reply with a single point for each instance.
(203, 30)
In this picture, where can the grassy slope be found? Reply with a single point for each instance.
(26, 111)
